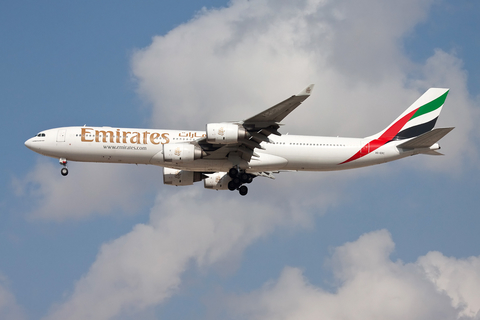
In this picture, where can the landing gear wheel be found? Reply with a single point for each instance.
(233, 173)
(232, 186)
(64, 170)
(238, 179)
(243, 190)
(244, 177)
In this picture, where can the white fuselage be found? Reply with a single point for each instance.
(145, 146)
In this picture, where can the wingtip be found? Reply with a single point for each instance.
(308, 90)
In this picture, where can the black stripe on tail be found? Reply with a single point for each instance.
(416, 130)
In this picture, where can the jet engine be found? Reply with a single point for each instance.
(217, 181)
(226, 133)
(180, 152)
(177, 177)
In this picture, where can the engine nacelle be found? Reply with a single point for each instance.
(225, 133)
(177, 177)
(217, 181)
(180, 152)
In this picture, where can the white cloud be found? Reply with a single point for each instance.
(144, 267)
(9, 308)
(458, 278)
(371, 286)
(89, 189)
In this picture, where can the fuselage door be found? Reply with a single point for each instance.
(61, 135)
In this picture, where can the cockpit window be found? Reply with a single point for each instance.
(41, 134)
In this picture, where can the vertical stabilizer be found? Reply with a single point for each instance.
(419, 118)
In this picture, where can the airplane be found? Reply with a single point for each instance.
(229, 155)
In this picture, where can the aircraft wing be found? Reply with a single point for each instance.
(258, 128)
(279, 111)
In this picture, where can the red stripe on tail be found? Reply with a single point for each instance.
(387, 136)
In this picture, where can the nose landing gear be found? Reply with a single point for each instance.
(238, 179)
(64, 170)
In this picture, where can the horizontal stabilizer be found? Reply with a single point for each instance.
(433, 153)
(426, 140)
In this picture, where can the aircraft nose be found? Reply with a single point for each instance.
(29, 144)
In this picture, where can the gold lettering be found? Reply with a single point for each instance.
(145, 137)
(125, 135)
(135, 138)
(165, 136)
(117, 136)
(154, 136)
(84, 133)
(104, 134)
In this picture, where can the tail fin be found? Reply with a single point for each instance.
(419, 118)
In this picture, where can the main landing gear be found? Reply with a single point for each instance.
(64, 170)
(238, 179)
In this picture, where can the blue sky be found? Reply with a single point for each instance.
(113, 242)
